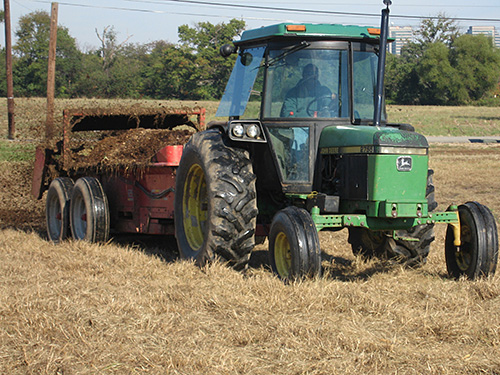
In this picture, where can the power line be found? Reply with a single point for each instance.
(310, 11)
(260, 8)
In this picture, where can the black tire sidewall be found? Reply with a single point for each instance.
(190, 157)
(229, 232)
(297, 225)
(470, 214)
(90, 191)
(60, 191)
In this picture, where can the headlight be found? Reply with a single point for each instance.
(238, 130)
(253, 131)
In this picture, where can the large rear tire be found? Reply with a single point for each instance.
(89, 211)
(215, 201)
(294, 249)
(57, 209)
(410, 247)
(478, 254)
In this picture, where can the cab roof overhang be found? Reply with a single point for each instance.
(311, 31)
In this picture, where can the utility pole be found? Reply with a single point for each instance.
(51, 74)
(8, 65)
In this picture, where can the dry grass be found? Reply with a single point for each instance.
(131, 306)
(123, 308)
(442, 120)
(78, 308)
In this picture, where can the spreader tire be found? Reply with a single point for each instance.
(57, 209)
(410, 247)
(294, 248)
(215, 201)
(89, 211)
(478, 254)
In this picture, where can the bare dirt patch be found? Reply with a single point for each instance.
(18, 209)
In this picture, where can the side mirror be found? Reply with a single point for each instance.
(227, 50)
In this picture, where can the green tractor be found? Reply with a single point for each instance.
(307, 147)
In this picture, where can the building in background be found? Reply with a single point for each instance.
(402, 35)
(485, 30)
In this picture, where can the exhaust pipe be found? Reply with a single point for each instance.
(384, 33)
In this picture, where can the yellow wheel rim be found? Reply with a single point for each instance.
(195, 207)
(282, 255)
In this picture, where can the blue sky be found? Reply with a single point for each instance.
(142, 21)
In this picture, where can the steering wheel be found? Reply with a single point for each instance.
(326, 104)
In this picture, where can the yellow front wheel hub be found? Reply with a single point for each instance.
(283, 255)
(195, 207)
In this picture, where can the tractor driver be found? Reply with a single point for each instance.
(309, 98)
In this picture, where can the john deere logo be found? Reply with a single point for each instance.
(404, 163)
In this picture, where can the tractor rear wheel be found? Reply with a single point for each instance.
(57, 209)
(215, 201)
(478, 253)
(410, 247)
(294, 248)
(89, 211)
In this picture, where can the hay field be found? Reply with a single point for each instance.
(131, 306)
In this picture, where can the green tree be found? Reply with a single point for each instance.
(437, 78)
(443, 68)
(204, 41)
(31, 50)
(477, 63)
(3, 74)
(114, 69)
(442, 29)
(170, 72)
(3, 83)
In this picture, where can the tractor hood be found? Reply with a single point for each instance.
(370, 139)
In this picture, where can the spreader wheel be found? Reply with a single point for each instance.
(57, 209)
(478, 253)
(89, 212)
(294, 248)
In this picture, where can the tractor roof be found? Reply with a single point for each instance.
(310, 30)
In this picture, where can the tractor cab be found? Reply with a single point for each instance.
(307, 72)
(292, 81)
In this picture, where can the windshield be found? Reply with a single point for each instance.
(307, 83)
(304, 80)
(365, 83)
(240, 84)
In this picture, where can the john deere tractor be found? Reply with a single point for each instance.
(307, 147)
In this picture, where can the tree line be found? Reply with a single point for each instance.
(192, 69)
(439, 67)
(442, 67)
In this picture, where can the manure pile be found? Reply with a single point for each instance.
(123, 148)
(111, 138)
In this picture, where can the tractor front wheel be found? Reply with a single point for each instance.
(215, 201)
(478, 253)
(294, 248)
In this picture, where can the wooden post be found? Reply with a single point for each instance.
(51, 74)
(8, 65)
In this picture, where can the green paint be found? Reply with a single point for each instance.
(357, 135)
(386, 183)
(357, 220)
(329, 31)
